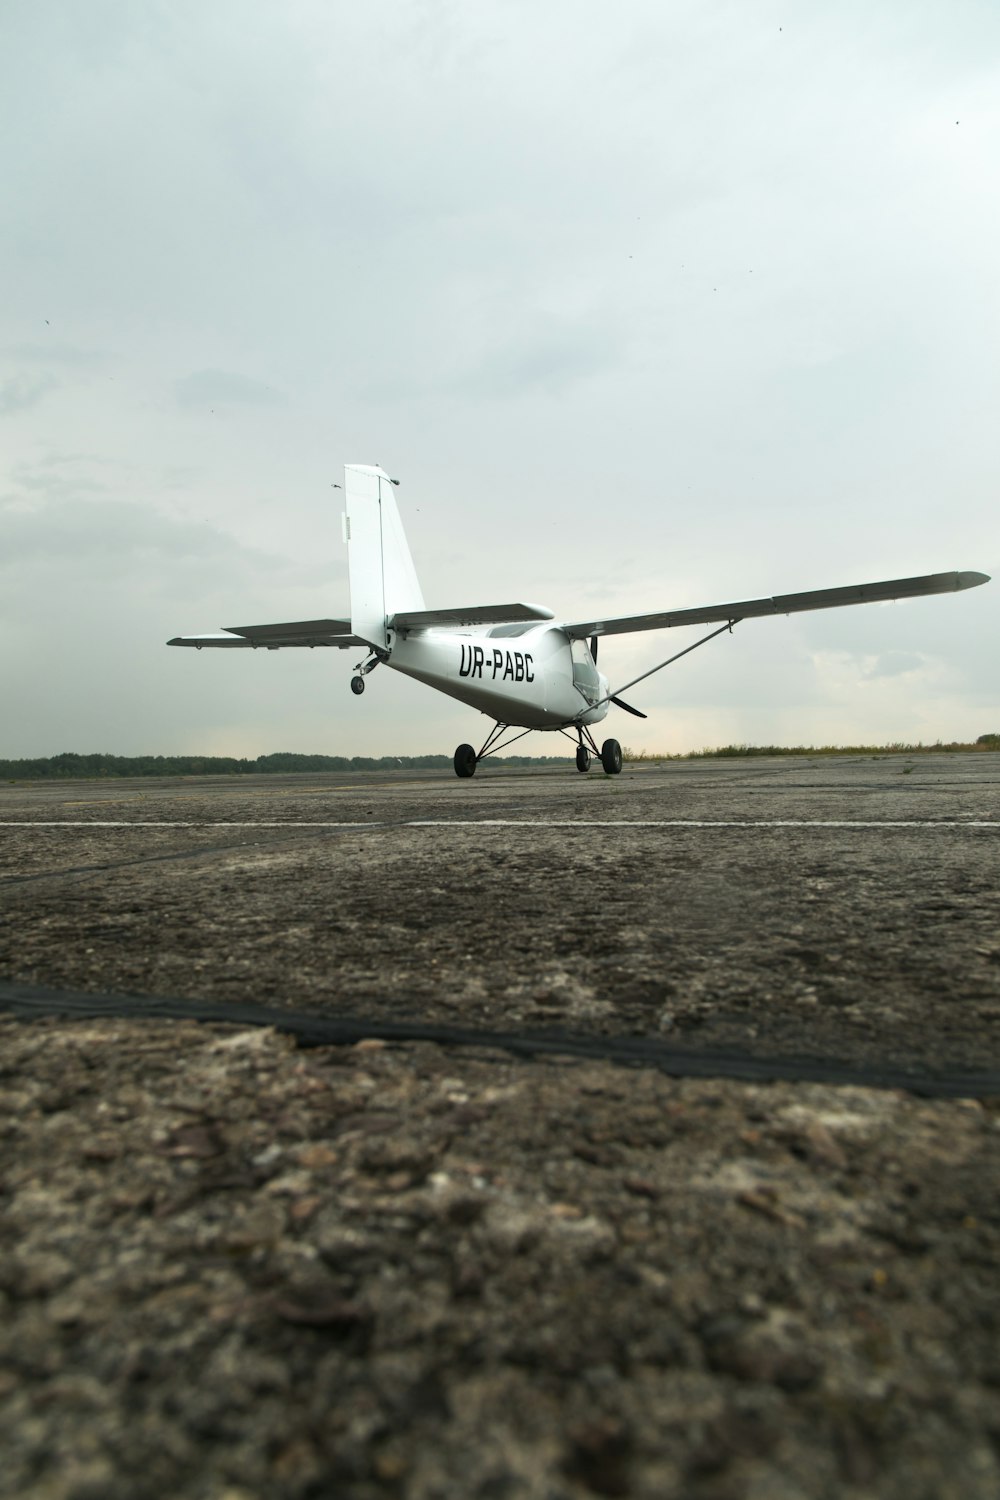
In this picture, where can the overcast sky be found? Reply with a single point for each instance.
(647, 305)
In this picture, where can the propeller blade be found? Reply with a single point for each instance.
(593, 648)
(628, 707)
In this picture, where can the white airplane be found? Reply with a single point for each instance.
(514, 662)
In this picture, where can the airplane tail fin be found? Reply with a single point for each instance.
(383, 578)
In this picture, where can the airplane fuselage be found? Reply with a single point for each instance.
(529, 676)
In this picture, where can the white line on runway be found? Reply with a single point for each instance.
(696, 823)
(168, 823)
(913, 823)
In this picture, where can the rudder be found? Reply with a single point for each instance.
(383, 579)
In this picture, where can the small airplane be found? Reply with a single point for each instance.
(514, 662)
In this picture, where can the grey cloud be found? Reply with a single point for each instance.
(223, 387)
(180, 476)
(552, 361)
(87, 528)
(24, 391)
(85, 542)
(47, 481)
(895, 663)
(55, 354)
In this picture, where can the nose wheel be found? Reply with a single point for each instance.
(357, 685)
(611, 757)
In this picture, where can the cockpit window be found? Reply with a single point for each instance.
(507, 632)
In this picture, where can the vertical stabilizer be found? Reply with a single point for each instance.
(383, 579)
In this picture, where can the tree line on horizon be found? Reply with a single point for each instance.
(69, 765)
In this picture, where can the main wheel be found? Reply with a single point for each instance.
(357, 685)
(611, 757)
(582, 758)
(465, 761)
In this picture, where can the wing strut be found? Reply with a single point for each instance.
(613, 697)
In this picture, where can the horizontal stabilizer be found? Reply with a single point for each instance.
(291, 632)
(782, 604)
(273, 637)
(476, 614)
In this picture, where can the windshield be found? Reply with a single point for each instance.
(585, 678)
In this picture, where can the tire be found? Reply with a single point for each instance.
(357, 685)
(611, 757)
(582, 758)
(465, 761)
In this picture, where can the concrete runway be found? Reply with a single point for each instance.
(231, 1267)
(815, 910)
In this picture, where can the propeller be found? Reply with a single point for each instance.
(612, 699)
(628, 707)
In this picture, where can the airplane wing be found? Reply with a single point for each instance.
(781, 604)
(273, 637)
(475, 614)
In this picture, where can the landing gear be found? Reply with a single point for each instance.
(582, 758)
(611, 757)
(465, 761)
(357, 685)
